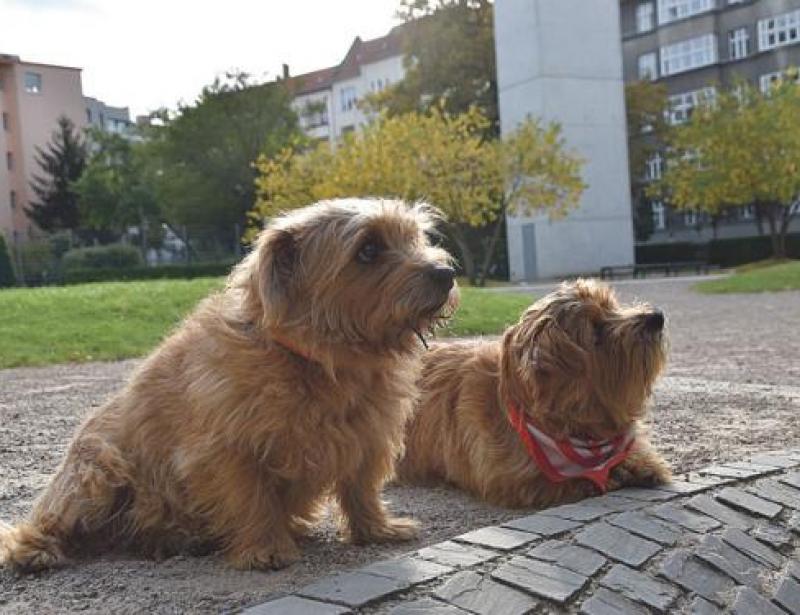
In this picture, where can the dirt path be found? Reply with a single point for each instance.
(733, 387)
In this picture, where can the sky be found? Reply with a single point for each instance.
(145, 54)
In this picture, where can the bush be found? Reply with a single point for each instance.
(183, 272)
(722, 252)
(114, 256)
(6, 271)
(38, 265)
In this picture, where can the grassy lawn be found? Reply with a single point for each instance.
(756, 278)
(117, 320)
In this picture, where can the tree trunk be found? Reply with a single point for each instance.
(778, 241)
(467, 259)
(489, 253)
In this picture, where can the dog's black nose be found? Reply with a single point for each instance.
(442, 276)
(654, 321)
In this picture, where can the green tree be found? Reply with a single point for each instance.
(6, 270)
(116, 190)
(443, 159)
(449, 60)
(61, 163)
(740, 149)
(203, 154)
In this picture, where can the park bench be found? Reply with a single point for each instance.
(642, 270)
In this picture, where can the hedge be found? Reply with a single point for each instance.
(7, 278)
(159, 272)
(722, 252)
(113, 256)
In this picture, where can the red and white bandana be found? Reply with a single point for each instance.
(561, 460)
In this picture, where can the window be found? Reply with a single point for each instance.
(654, 168)
(659, 215)
(690, 218)
(670, 10)
(648, 66)
(5, 120)
(689, 54)
(9, 161)
(735, 1)
(348, 98)
(645, 17)
(738, 43)
(89, 115)
(779, 30)
(748, 212)
(13, 197)
(33, 83)
(682, 105)
(768, 80)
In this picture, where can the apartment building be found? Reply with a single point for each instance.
(326, 100)
(695, 47)
(107, 118)
(32, 98)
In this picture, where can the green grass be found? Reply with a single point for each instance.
(756, 278)
(118, 320)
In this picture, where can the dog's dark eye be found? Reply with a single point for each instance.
(368, 252)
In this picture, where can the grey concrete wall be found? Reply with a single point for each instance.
(561, 60)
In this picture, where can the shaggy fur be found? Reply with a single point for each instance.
(294, 382)
(577, 362)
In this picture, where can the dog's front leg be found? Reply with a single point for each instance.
(366, 517)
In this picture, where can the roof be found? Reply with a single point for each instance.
(360, 53)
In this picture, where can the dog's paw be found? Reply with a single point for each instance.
(395, 529)
(24, 549)
(264, 557)
(640, 472)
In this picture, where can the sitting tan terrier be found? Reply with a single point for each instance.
(293, 382)
(551, 413)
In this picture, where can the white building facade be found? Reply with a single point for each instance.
(561, 60)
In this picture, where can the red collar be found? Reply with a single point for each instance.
(561, 460)
(288, 344)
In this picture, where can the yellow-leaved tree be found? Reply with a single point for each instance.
(442, 159)
(740, 148)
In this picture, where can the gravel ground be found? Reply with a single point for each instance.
(733, 387)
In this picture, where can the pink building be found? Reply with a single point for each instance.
(32, 98)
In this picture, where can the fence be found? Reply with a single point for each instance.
(171, 250)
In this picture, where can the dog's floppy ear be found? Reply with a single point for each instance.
(277, 256)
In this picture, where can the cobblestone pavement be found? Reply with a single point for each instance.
(724, 539)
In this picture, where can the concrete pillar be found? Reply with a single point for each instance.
(561, 60)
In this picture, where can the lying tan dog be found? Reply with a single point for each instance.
(294, 382)
(549, 414)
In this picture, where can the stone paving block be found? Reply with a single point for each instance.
(738, 471)
(605, 602)
(752, 548)
(690, 573)
(501, 538)
(646, 527)
(794, 569)
(641, 587)
(772, 535)
(712, 508)
(732, 562)
(749, 602)
(701, 606)
(352, 588)
(749, 502)
(541, 579)
(788, 595)
(451, 553)
(645, 495)
(584, 511)
(777, 492)
(410, 570)
(792, 479)
(426, 606)
(794, 523)
(618, 503)
(542, 524)
(617, 544)
(580, 560)
(294, 605)
(479, 594)
(680, 516)
(777, 460)
(682, 487)
(707, 479)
